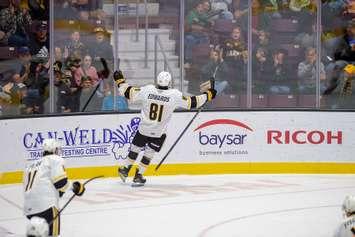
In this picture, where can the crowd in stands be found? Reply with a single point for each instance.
(81, 41)
(283, 51)
(283, 42)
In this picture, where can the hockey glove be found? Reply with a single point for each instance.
(118, 77)
(78, 188)
(211, 94)
(105, 73)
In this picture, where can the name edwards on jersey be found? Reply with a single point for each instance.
(158, 97)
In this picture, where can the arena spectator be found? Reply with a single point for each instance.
(38, 80)
(233, 49)
(100, 48)
(110, 99)
(280, 74)
(58, 55)
(234, 46)
(86, 70)
(344, 54)
(96, 10)
(240, 13)
(218, 68)
(22, 65)
(262, 65)
(62, 83)
(72, 64)
(75, 47)
(65, 10)
(39, 9)
(16, 91)
(308, 39)
(14, 25)
(307, 73)
(39, 38)
(89, 9)
(222, 9)
(197, 29)
(87, 89)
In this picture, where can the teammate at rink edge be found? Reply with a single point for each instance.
(45, 181)
(157, 103)
(37, 227)
(347, 226)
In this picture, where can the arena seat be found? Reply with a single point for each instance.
(284, 25)
(307, 101)
(258, 101)
(281, 101)
(225, 101)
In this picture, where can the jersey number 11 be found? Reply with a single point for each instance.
(30, 178)
(156, 112)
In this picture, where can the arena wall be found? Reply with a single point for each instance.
(215, 143)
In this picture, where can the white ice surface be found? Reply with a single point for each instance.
(196, 206)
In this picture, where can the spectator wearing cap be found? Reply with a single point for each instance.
(14, 24)
(40, 38)
(101, 47)
(75, 46)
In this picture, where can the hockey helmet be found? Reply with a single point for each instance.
(164, 79)
(349, 204)
(37, 227)
(50, 145)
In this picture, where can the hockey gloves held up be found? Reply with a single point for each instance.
(78, 188)
(118, 77)
(211, 94)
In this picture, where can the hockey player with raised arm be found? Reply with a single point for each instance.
(158, 102)
(347, 226)
(45, 181)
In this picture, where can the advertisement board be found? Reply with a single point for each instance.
(214, 137)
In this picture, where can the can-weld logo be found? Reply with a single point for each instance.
(84, 142)
(211, 136)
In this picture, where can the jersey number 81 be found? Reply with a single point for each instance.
(156, 112)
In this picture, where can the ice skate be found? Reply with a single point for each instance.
(123, 172)
(138, 180)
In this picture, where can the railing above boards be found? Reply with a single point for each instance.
(158, 43)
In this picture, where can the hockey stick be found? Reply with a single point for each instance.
(72, 197)
(187, 126)
(102, 75)
(178, 139)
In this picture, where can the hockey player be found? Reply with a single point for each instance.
(37, 227)
(347, 227)
(45, 181)
(157, 105)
